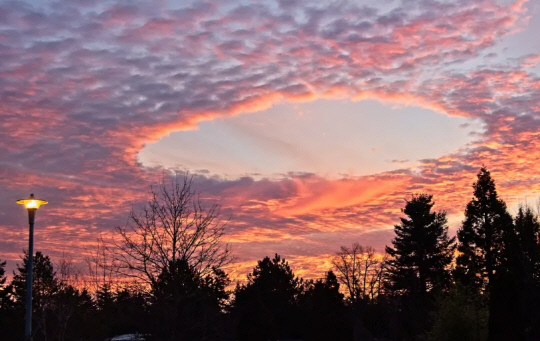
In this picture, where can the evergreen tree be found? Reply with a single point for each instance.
(528, 232)
(487, 259)
(130, 305)
(422, 250)
(2, 283)
(83, 324)
(71, 314)
(324, 312)
(105, 311)
(45, 287)
(6, 314)
(104, 298)
(460, 316)
(421, 255)
(187, 305)
(481, 237)
(268, 303)
(2, 273)
(528, 272)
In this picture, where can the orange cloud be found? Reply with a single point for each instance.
(315, 195)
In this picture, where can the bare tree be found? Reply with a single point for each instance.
(101, 266)
(174, 225)
(360, 269)
(67, 298)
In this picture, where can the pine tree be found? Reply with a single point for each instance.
(2, 282)
(488, 261)
(528, 232)
(268, 303)
(187, 305)
(45, 284)
(482, 236)
(45, 287)
(422, 250)
(4, 313)
(421, 255)
(528, 272)
(2, 273)
(324, 312)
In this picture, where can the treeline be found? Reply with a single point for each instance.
(483, 284)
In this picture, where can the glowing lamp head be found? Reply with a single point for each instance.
(31, 203)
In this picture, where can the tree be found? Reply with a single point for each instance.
(528, 272)
(2, 282)
(69, 313)
(481, 236)
(122, 311)
(459, 316)
(102, 267)
(324, 311)
(174, 225)
(528, 232)
(360, 269)
(268, 304)
(45, 287)
(421, 255)
(187, 305)
(422, 250)
(2, 273)
(487, 255)
(67, 300)
(6, 313)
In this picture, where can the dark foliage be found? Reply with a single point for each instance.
(489, 257)
(419, 268)
(323, 311)
(187, 306)
(60, 312)
(409, 294)
(525, 274)
(267, 306)
(461, 315)
(486, 228)
(118, 312)
(2, 274)
(45, 288)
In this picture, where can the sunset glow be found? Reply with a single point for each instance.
(309, 122)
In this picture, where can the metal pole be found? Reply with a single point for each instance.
(29, 276)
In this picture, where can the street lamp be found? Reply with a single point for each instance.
(31, 204)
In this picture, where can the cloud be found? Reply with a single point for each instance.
(85, 85)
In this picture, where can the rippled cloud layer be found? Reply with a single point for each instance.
(85, 84)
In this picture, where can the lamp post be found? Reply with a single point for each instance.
(31, 204)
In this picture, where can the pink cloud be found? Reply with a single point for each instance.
(83, 90)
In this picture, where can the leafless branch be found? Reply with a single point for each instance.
(173, 225)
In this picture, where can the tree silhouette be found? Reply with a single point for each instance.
(481, 236)
(122, 311)
(360, 270)
(3, 291)
(268, 303)
(525, 274)
(459, 316)
(174, 225)
(487, 259)
(69, 313)
(6, 311)
(45, 287)
(186, 305)
(418, 269)
(324, 311)
(2, 273)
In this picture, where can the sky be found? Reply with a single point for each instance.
(309, 122)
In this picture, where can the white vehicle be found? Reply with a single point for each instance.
(129, 337)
